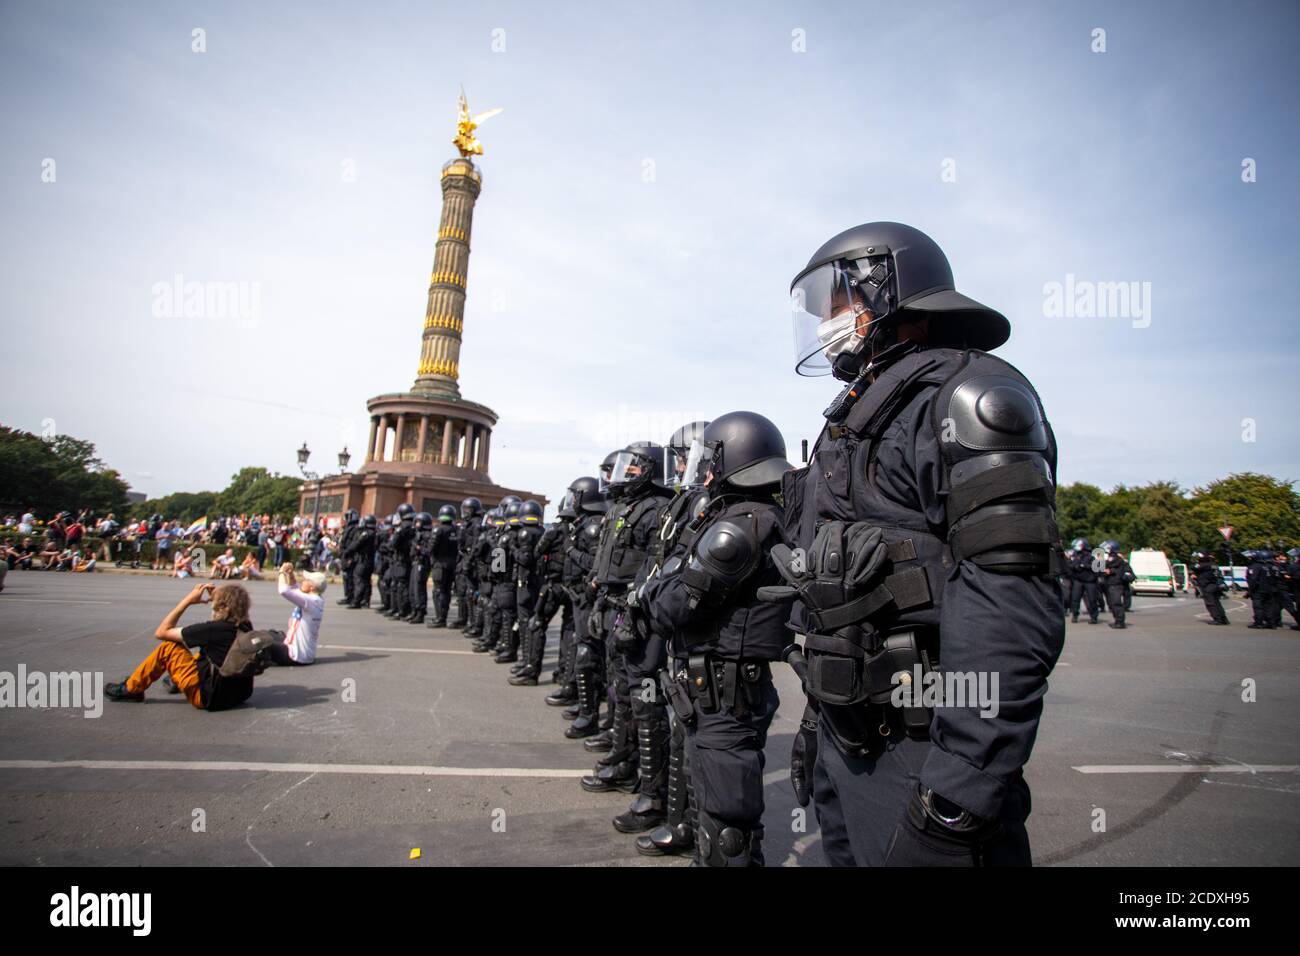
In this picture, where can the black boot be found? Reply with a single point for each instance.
(650, 807)
(600, 743)
(622, 737)
(584, 724)
(676, 837)
(562, 697)
(620, 776)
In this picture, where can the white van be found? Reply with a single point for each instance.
(1152, 572)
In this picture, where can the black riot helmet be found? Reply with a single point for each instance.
(679, 447)
(497, 517)
(1080, 544)
(511, 512)
(607, 469)
(584, 495)
(740, 450)
(447, 514)
(855, 291)
(424, 521)
(369, 521)
(405, 512)
(471, 507)
(507, 501)
(638, 467)
(350, 516)
(530, 512)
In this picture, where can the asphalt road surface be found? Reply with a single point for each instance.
(1147, 754)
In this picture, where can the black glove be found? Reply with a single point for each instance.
(937, 832)
(803, 757)
(836, 570)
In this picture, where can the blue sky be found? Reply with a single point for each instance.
(606, 304)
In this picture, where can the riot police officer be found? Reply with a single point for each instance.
(526, 531)
(421, 560)
(482, 628)
(351, 528)
(384, 563)
(627, 539)
(1262, 584)
(589, 648)
(1293, 574)
(497, 568)
(471, 522)
(1284, 588)
(504, 591)
(361, 552)
(724, 638)
(1209, 581)
(399, 568)
(662, 765)
(550, 599)
(444, 551)
(588, 504)
(1117, 574)
(927, 544)
(1083, 582)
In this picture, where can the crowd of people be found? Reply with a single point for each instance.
(59, 544)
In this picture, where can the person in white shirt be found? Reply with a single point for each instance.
(308, 602)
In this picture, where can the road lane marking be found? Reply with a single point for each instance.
(23, 600)
(391, 650)
(1189, 768)
(222, 766)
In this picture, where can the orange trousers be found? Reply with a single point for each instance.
(169, 658)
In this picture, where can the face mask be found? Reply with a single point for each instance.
(836, 333)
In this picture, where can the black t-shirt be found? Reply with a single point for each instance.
(215, 638)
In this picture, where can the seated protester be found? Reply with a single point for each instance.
(81, 564)
(183, 565)
(50, 556)
(224, 566)
(24, 554)
(299, 645)
(63, 560)
(198, 678)
(250, 568)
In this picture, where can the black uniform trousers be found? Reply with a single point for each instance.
(1087, 590)
(725, 750)
(861, 801)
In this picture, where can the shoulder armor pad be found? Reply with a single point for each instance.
(728, 551)
(995, 413)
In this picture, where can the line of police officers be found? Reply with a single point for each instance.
(920, 537)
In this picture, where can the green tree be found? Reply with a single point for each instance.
(259, 491)
(57, 474)
(1262, 510)
(1076, 506)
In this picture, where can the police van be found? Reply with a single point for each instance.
(1152, 572)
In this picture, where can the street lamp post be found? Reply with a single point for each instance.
(303, 454)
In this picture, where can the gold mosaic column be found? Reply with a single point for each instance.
(445, 316)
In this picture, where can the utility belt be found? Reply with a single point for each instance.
(714, 683)
(868, 688)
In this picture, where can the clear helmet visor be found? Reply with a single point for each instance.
(569, 503)
(628, 467)
(675, 466)
(833, 308)
(699, 464)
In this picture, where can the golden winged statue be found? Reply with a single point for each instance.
(465, 126)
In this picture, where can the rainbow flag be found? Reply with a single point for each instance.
(198, 525)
